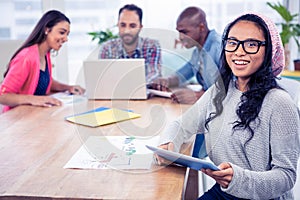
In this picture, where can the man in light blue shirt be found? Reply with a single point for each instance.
(204, 63)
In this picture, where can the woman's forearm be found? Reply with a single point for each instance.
(57, 86)
(13, 99)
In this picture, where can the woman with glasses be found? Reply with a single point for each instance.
(28, 78)
(251, 125)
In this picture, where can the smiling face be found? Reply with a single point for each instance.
(58, 35)
(242, 64)
(129, 27)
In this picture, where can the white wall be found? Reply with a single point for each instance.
(7, 48)
(294, 7)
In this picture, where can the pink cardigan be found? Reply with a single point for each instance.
(23, 74)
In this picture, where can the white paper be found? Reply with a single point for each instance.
(195, 87)
(67, 98)
(114, 152)
(160, 93)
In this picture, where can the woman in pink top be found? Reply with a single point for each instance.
(28, 78)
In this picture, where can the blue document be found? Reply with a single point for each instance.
(184, 160)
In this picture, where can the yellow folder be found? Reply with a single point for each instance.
(99, 118)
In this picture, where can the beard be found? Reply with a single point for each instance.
(129, 39)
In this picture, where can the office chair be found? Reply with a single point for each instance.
(192, 189)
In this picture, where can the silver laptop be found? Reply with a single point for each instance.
(115, 79)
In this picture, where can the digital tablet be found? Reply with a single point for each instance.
(184, 160)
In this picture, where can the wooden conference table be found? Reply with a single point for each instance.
(37, 142)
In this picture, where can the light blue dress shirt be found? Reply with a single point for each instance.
(204, 62)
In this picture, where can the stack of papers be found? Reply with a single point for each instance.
(102, 116)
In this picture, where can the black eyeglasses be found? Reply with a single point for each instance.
(250, 46)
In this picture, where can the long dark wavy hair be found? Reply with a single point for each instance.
(37, 36)
(258, 86)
